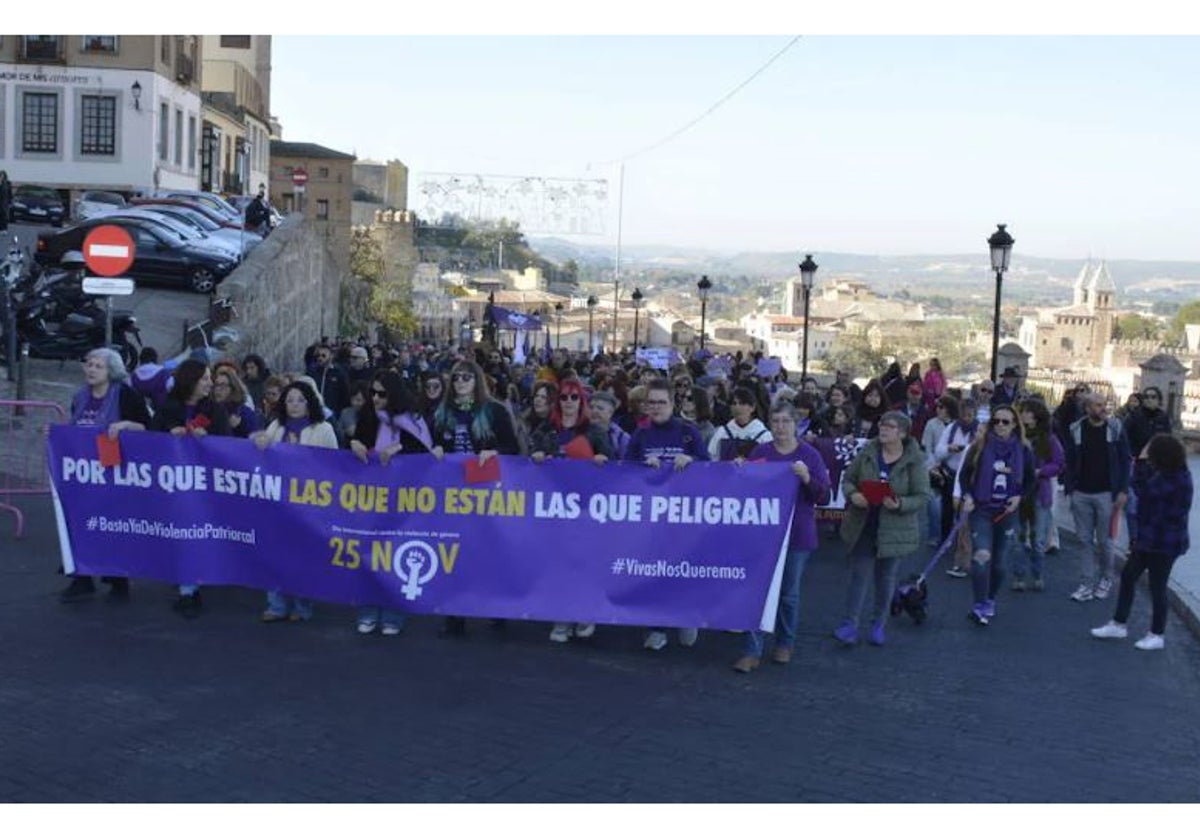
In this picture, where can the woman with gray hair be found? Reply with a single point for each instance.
(105, 401)
(887, 487)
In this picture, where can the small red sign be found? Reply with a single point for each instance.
(299, 176)
(108, 251)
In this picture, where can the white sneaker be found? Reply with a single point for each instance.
(366, 625)
(688, 636)
(1151, 641)
(655, 640)
(585, 631)
(1083, 593)
(390, 630)
(560, 633)
(1112, 630)
(1103, 588)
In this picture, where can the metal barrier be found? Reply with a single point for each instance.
(24, 425)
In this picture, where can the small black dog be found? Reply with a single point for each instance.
(912, 597)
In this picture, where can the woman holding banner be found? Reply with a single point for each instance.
(191, 411)
(569, 433)
(105, 402)
(299, 420)
(809, 468)
(394, 426)
(887, 486)
(996, 472)
(468, 420)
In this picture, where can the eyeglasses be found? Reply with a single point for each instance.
(1001, 421)
(433, 385)
(987, 391)
(463, 377)
(683, 383)
(568, 398)
(377, 393)
(656, 402)
(1150, 396)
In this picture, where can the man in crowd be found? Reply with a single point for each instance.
(330, 379)
(360, 365)
(1008, 392)
(1097, 480)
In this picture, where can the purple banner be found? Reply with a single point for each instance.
(508, 319)
(561, 541)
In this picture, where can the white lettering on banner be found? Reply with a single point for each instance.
(712, 510)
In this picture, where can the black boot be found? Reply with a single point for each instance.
(81, 588)
(119, 590)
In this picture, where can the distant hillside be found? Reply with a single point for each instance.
(1030, 279)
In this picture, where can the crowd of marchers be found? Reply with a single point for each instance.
(970, 474)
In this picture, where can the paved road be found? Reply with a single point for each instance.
(108, 702)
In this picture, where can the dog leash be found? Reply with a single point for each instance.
(948, 543)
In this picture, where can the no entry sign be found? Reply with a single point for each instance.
(299, 176)
(108, 251)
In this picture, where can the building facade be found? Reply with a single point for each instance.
(1078, 334)
(325, 199)
(111, 112)
(236, 143)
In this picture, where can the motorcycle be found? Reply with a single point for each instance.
(57, 321)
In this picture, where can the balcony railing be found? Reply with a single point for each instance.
(185, 69)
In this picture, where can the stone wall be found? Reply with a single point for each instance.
(285, 295)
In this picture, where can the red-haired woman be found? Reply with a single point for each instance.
(568, 433)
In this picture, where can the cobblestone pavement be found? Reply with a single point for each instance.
(103, 701)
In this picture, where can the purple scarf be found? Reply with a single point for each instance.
(1011, 453)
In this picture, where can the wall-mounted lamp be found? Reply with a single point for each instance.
(136, 90)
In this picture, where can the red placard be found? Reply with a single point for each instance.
(108, 251)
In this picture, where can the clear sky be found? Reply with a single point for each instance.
(890, 143)
(886, 144)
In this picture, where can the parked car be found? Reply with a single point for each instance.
(37, 204)
(93, 202)
(244, 241)
(222, 219)
(159, 255)
(206, 198)
(187, 230)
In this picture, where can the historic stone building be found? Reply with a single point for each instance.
(1074, 335)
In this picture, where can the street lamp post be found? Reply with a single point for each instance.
(808, 271)
(1000, 243)
(592, 303)
(558, 310)
(637, 306)
(704, 285)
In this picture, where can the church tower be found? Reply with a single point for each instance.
(1101, 291)
(1079, 292)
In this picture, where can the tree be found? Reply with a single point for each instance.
(1134, 326)
(1189, 313)
(854, 354)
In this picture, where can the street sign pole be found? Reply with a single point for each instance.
(108, 320)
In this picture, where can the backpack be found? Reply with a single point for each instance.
(732, 447)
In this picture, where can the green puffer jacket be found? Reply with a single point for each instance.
(900, 529)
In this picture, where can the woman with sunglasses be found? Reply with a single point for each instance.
(300, 420)
(996, 472)
(696, 408)
(394, 425)
(468, 420)
(569, 433)
(229, 391)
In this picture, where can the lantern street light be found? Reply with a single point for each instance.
(558, 310)
(592, 303)
(637, 305)
(704, 285)
(808, 271)
(1001, 243)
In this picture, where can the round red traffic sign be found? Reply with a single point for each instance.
(299, 176)
(108, 250)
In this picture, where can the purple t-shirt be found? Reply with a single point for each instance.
(804, 521)
(90, 414)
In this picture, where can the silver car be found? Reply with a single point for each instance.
(95, 202)
(189, 232)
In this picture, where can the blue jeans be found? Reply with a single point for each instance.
(934, 510)
(1039, 534)
(990, 543)
(186, 589)
(863, 563)
(382, 615)
(280, 604)
(1131, 514)
(788, 615)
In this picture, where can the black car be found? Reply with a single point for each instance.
(160, 256)
(37, 204)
